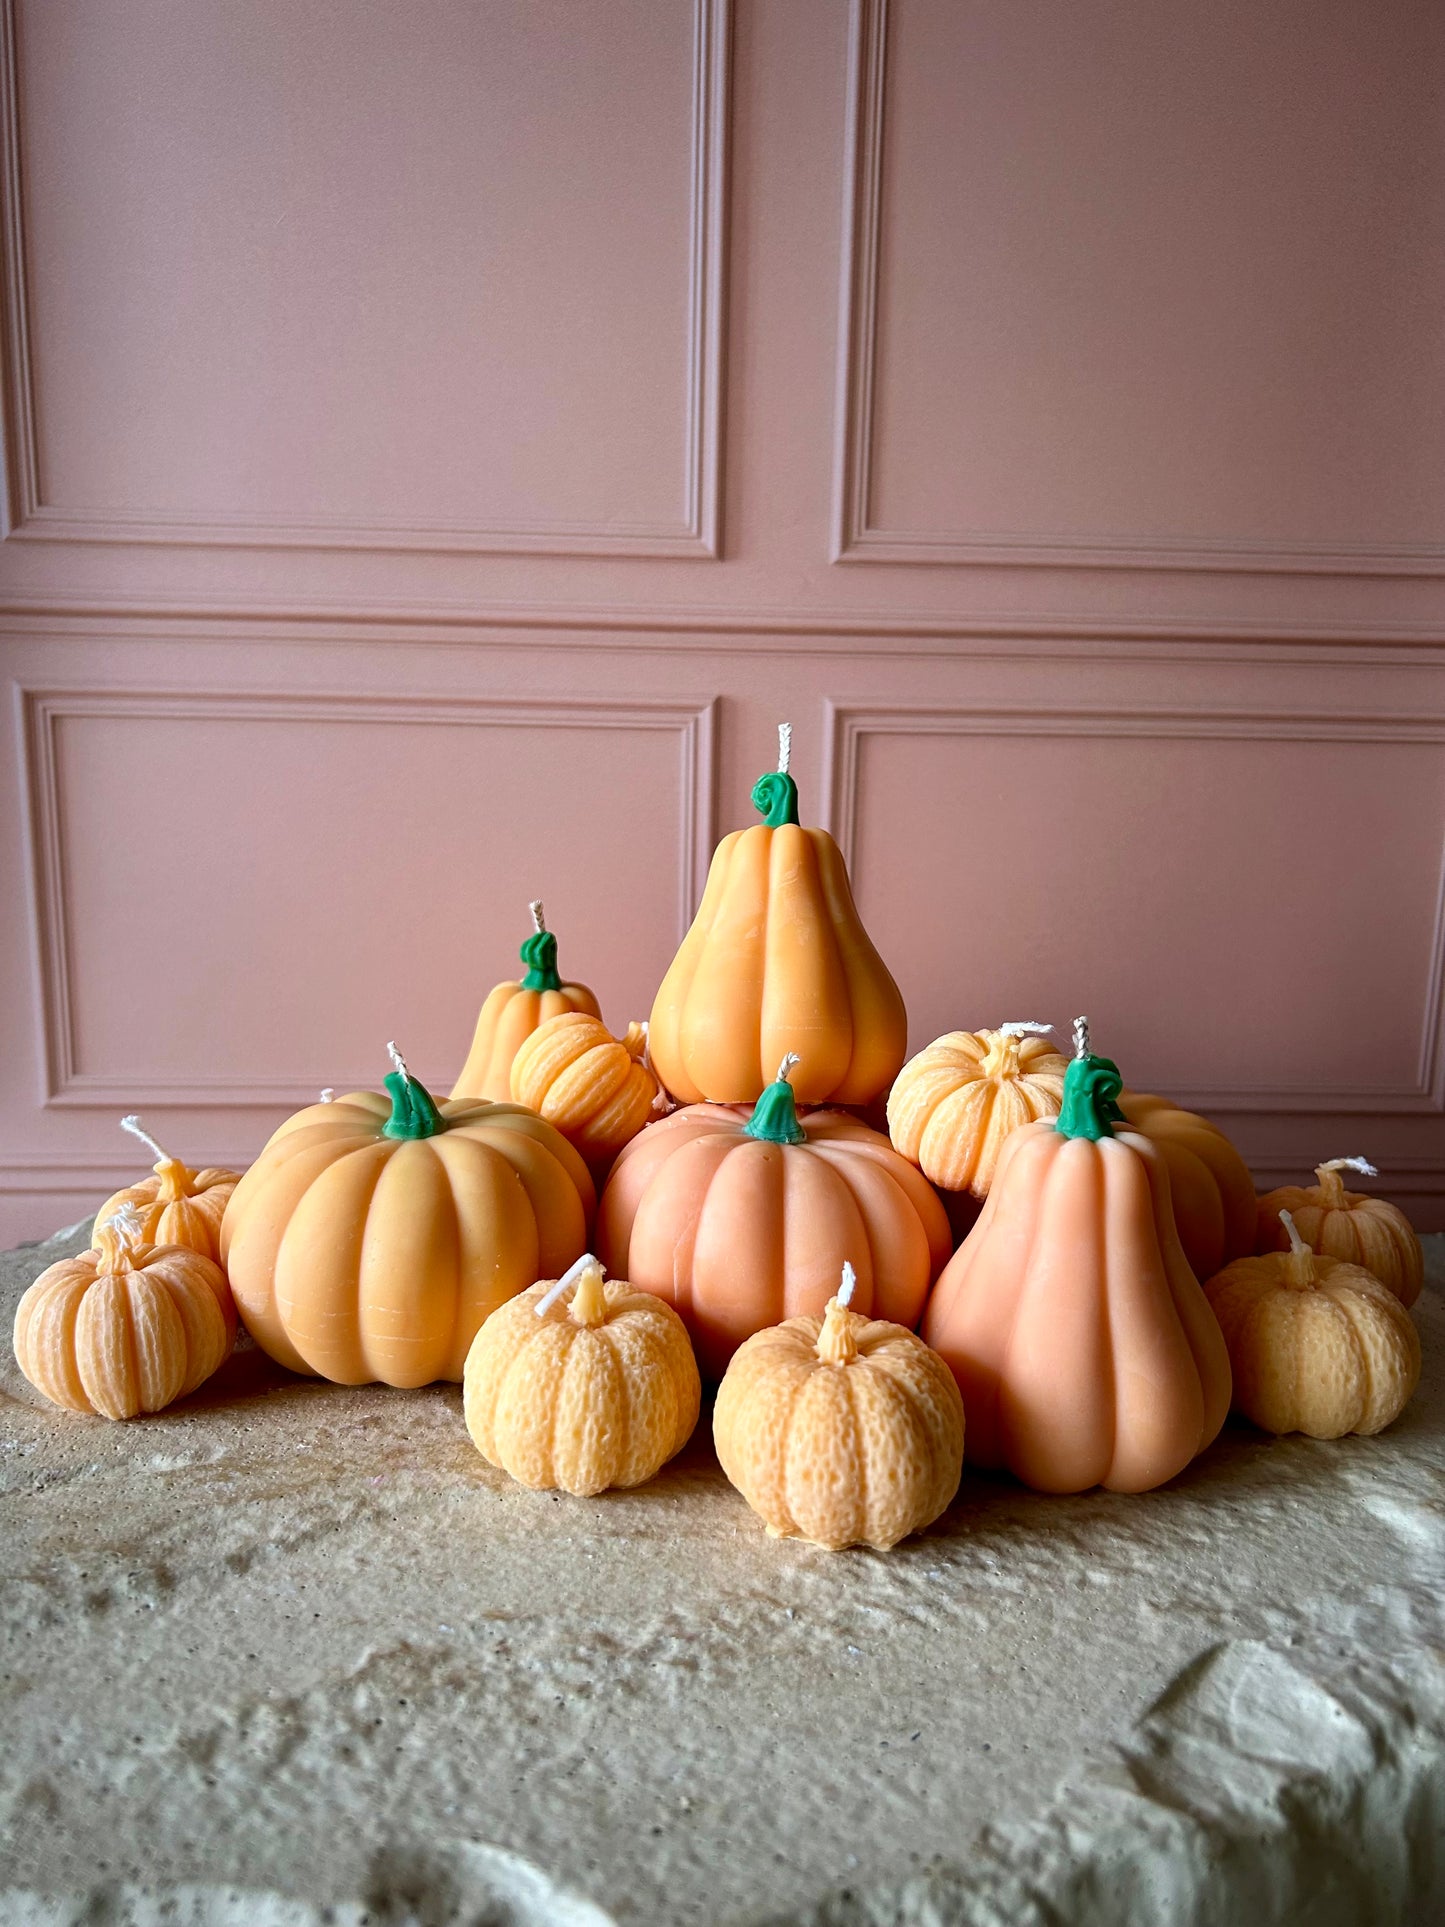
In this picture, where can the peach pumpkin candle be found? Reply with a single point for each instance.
(842, 1430)
(1346, 1224)
(597, 1089)
(374, 1234)
(582, 1384)
(177, 1206)
(777, 960)
(952, 1106)
(513, 1010)
(127, 1327)
(1317, 1345)
(740, 1219)
(1081, 1340)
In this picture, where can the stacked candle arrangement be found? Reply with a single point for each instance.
(1119, 1288)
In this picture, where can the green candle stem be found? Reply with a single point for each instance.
(413, 1111)
(775, 1115)
(1091, 1092)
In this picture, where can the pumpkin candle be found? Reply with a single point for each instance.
(598, 1391)
(513, 1010)
(842, 1430)
(177, 1206)
(1347, 1224)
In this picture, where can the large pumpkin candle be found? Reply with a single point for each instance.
(1083, 1345)
(1346, 1224)
(513, 1010)
(374, 1235)
(740, 1218)
(777, 960)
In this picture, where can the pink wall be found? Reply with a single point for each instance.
(441, 443)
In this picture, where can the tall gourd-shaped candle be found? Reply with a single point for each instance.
(513, 1010)
(1081, 1341)
(777, 960)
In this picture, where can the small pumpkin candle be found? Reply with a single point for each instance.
(953, 1104)
(1346, 1224)
(513, 1010)
(842, 1430)
(582, 1384)
(177, 1206)
(126, 1327)
(597, 1089)
(1317, 1345)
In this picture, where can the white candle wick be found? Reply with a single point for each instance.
(785, 747)
(398, 1060)
(132, 1124)
(1024, 1030)
(328, 1096)
(539, 922)
(570, 1277)
(1362, 1165)
(128, 1224)
(850, 1280)
(1081, 1037)
(785, 1069)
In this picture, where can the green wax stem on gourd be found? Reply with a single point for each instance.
(539, 954)
(776, 796)
(1091, 1089)
(413, 1114)
(775, 1116)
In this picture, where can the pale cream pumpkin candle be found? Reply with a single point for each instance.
(581, 1383)
(126, 1327)
(1317, 1345)
(952, 1106)
(177, 1206)
(597, 1089)
(777, 960)
(1347, 1224)
(513, 1010)
(842, 1430)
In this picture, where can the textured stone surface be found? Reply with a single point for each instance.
(292, 1653)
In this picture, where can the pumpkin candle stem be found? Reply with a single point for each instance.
(413, 1113)
(1091, 1091)
(1300, 1273)
(539, 953)
(589, 1301)
(119, 1239)
(775, 1115)
(1332, 1185)
(175, 1178)
(838, 1339)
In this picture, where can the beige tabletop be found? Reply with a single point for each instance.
(290, 1654)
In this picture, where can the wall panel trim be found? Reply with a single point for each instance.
(697, 534)
(855, 538)
(64, 1085)
(846, 728)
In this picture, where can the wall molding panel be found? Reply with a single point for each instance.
(855, 535)
(848, 727)
(65, 1084)
(697, 531)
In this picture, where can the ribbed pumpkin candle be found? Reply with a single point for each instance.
(1346, 1224)
(177, 1206)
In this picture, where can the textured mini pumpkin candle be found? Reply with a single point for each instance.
(952, 1106)
(126, 1327)
(581, 1384)
(1317, 1345)
(177, 1206)
(513, 1010)
(1346, 1224)
(842, 1430)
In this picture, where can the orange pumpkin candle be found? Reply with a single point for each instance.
(1346, 1224)
(777, 960)
(177, 1206)
(1081, 1340)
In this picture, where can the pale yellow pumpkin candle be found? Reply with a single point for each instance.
(1347, 1224)
(842, 1430)
(126, 1327)
(177, 1206)
(597, 1089)
(1316, 1345)
(581, 1383)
